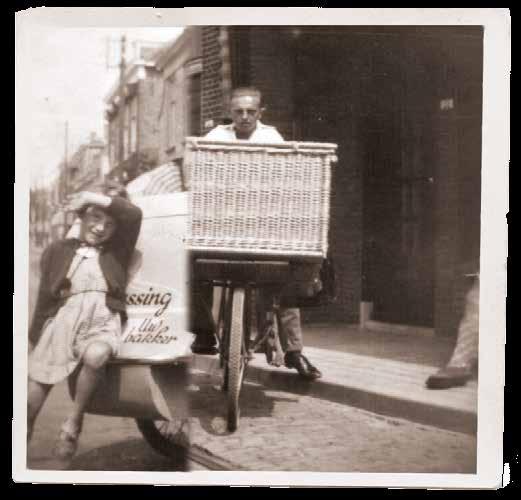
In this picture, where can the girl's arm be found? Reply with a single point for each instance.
(128, 217)
(78, 200)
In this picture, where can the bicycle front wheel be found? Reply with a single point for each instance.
(169, 438)
(236, 359)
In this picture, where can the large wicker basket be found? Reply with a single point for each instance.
(259, 199)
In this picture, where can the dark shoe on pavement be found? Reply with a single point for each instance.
(448, 377)
(305, 369)
(205, 345)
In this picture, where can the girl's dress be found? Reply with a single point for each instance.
(84, 318)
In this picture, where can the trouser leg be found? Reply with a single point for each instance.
(466, 351)
(291, 330)
(201, 320)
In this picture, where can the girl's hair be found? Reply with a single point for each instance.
(113, 188)
(109, 188)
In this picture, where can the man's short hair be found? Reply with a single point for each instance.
(250, 91)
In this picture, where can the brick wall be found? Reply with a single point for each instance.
(270, 62)
(212, 106)
(276, 72)
(447, 225)
(458, 179)
(179, 66)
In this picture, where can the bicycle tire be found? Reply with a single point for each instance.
(236, 360)
(226, 311)
(167, 438)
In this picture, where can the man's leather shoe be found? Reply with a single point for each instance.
(450, 376)
(305, 369)
(205, 345)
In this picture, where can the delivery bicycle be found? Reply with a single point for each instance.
(258, 219)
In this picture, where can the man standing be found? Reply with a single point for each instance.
(246, 111)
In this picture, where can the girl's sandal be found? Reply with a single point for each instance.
(67, 442)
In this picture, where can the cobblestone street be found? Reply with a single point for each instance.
(278, 431)
(285, 431)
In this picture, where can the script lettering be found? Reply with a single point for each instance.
(152, 328)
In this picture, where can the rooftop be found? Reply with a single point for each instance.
(148, 55)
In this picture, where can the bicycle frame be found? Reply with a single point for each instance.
(240, 280)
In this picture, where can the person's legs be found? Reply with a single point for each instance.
(36, 395)
(466, 351)
(201, 320)
(290, 335)
(458, 370)
(94, 360)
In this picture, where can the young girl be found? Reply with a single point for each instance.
(80, 309)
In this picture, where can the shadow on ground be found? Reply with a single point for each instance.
(129, 455)
(206, 393)
(133, 455)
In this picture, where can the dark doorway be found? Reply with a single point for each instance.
(398, 114)
(374, 95)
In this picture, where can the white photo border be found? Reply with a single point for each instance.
(494, 207)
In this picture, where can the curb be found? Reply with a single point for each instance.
(451, 419)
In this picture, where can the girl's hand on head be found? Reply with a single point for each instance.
(78, 200)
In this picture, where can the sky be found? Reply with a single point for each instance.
(62, 76)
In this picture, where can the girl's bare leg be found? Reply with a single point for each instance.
(36, 395)
(94, 361)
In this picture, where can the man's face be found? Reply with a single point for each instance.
(96, 226)
(246, 111)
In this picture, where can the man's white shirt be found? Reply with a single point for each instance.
(262, 133)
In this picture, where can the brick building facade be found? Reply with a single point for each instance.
(132, 116)
(404, 106)
(179, 116)
(154, 106)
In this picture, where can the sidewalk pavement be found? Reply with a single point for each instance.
(380, 372)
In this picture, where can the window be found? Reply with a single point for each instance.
(113, 143)
(133, 125)
(126, 127)
(194, 99)
(171, 114)
(73, 171)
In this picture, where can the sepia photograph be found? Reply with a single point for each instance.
(257, 248)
